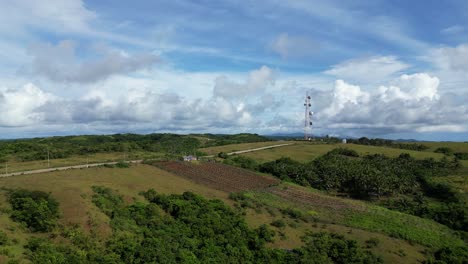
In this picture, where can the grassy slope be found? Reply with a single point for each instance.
(244, 146)
(72, 189)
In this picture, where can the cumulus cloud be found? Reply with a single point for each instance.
(412, 105)
(18, 107)
(256, 83)
(293, 46)
(450, 58)
(370, 69)
(60, 62)
(31, 106)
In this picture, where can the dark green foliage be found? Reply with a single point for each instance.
(278, 223)
(444, 150)
(38, 210)
(122, 165)
(388, 143)
(63, 147)
(289, 170)
(380, 176)
(185, 229)
(332, 248)
(461, 155)
(345, 152)
(3, 238)
(370, 176)
(222, 155)
(106, 199)
(219, 140)
(293, 213)
(372, 242)
(241, 161)
(450, 255)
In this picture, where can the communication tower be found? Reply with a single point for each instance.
(307, 118)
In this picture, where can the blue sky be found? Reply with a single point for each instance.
(374, 68)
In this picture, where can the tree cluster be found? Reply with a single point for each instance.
(388, 143)
(36, 209)
(187, 229)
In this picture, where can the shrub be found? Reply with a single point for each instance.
(122, 165)
(372, 242)
(278, 223)
(3, 238)
(444, 150)
(345, 152)
(222, 155)
(293, 213)
(461, 155)
(38, 210)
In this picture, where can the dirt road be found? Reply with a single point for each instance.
(64, 168)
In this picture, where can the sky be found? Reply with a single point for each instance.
(392, 69)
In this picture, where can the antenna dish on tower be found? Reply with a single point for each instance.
(307, 117)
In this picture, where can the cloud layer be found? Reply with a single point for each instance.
(60, 62)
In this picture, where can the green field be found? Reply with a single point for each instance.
(244, 146)
(305, 151)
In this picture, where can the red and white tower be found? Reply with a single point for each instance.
(307, 118)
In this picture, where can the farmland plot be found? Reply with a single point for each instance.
(219, 176)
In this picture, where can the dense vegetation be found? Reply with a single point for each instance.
(63, 147)
(37, 210)
(185, 229)
(388, 143)
(402, 183)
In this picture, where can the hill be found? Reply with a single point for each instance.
(89, 209)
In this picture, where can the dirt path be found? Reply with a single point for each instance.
(64, 168)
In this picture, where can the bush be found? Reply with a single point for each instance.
(241, 161)
(345, 152)
(3, 238)
(444, 150)
(332, 248)
(461, 155)
(38, 210)
(372, 242)
(293, 213)
(122, 165)
(278, 223)
(222, 155)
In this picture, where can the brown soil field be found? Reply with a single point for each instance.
(219, 176)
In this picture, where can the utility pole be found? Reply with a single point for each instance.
(48, 158)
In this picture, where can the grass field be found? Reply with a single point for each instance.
(455, 146)
(305, 151)
(244, 146)
(15, 166)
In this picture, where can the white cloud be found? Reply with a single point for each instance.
(256, 83)
(450, 58)
(413, 104)
(55, 15)
(455, 29)
(293, 46)
(60, 62)
(18, 107)
(371, 69)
